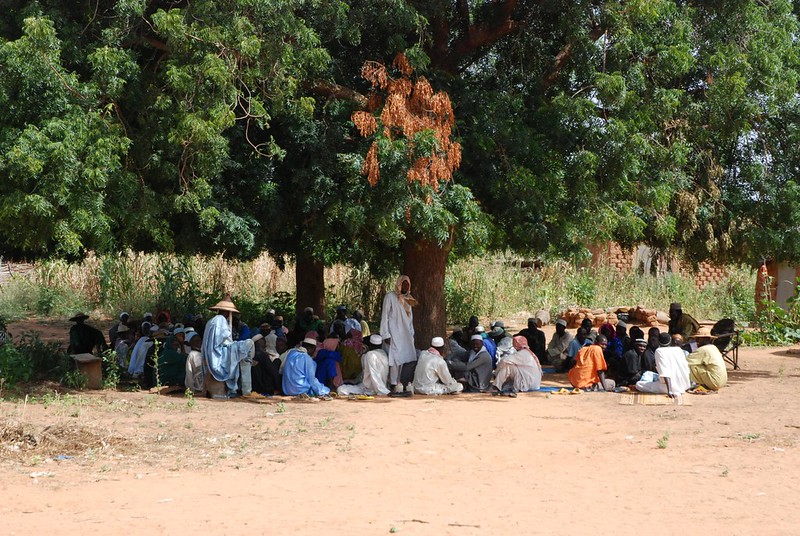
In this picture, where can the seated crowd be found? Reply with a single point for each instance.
(224, 357)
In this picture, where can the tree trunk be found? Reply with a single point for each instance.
(310, 277)
(425, 262)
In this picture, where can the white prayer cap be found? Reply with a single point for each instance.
(476, 338)
(148, 315)
(189, 329)
(178, 326)
(437, 342)
(123, 314)
(191, 335)
(271, 311)
(310, 341)
(176, 331)
(480, 329)
(257, 337)
(122, 328)
(561, 322)
(375, 339)
(153, 329)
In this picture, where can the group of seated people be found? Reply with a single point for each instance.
(346, 359)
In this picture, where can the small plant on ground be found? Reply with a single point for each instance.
(110, 370)
(663, 442)
(74, 379)
(189, 396)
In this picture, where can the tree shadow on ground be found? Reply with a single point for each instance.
(743, 375)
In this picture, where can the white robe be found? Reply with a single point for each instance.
(522, 368)
(195, 376)
(375, 365)
(398, 325)
(432, 377)
(138, 355)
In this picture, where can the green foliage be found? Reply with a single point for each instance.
(14, 365)
(30, 358)
(111, 370)
(75, 379)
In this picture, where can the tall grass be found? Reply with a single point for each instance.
(500, 287)
(490, 288)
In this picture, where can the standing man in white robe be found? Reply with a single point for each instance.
(397, 330)
(432, 377)
(375, 365)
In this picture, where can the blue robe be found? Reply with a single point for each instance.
(299, 375)
(222, 355)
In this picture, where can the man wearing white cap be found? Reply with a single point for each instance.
(432, 377)
(477, 370)
(375, 365)
(559, 344)
(299, 373)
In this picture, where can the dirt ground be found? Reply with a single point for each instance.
(131, 462)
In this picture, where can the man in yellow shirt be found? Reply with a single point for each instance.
(707, 368)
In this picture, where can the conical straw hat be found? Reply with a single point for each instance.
(225, 305)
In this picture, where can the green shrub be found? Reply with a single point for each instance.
(15, 367)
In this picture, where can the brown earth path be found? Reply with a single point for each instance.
(468, 464)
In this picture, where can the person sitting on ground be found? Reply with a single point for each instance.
(488, 342)
(581, 339)
(85, 339)
(340, 315)
(519, 371)
(453, 345)
(239, 329)
(591, 333)
(432, 376)
(358, 315)
(266, 379)
(351, 347)
(375, 364)
(328, 361)
(112, 333)
(281, 331)
(166, 364)
(305, 322)
(633, 364)
(195, 376)
(559, 344)
(613, 350)
(476, 371)
(680, 322)
(707, 367)
(299, 373)
(469, 331)
(227, 361)
(673, 371)
(623, 337)
(653, 335)
(677, 340)
(123, 338)
(141, 349)
(536, 339)
(590, 368)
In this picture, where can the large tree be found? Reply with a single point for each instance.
(209, 126)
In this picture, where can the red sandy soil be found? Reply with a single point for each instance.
(461, 465)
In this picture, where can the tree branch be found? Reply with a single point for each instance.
(447, 55)
(335, 91)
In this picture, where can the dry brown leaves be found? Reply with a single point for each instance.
(410, 107)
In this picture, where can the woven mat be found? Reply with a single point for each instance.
(649, 399)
